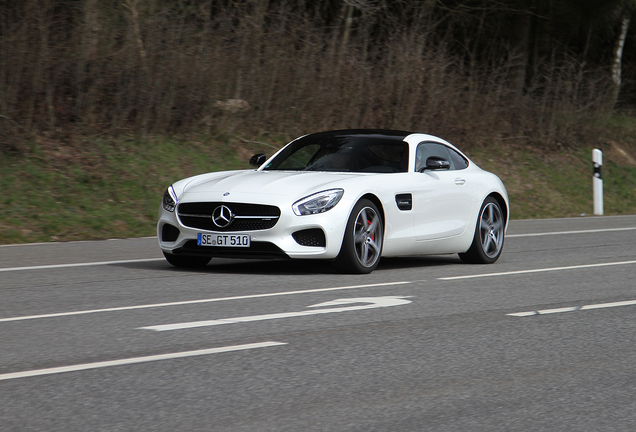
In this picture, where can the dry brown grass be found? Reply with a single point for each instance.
(110, 67)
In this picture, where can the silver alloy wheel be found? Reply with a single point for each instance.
(368, 237)
(491, 230)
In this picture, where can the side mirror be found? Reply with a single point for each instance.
(436, 163)
(257, 160)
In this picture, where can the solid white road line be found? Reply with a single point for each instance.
(53, 243)
(121, 362)
(570, 232)
(516, 272)
(210, 300)
(276, 294)
(574, 308)
(55, 266)
(86, 264)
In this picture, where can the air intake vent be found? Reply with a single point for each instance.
(169, 233)
(310, 237)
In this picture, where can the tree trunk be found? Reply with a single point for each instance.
(617, 60)
(520, 52)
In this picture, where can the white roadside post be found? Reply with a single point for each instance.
(597, 179)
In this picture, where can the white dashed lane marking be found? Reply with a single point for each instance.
(574, 308)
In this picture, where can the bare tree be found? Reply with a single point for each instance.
(617, 57)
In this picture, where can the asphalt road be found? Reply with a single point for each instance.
(106, 336)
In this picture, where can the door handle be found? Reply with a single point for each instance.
(460, 181)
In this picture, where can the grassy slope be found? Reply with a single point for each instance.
(560, 184)
(102, 189)
(106, 188)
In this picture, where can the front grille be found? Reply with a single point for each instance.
(247, 217)
(310, 237)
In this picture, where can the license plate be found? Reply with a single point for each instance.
(231, 240)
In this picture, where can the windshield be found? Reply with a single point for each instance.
(343, 153)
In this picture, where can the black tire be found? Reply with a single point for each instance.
(362, 243)
(186, 261)
(489, 235)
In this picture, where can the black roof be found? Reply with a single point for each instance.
(378, 133)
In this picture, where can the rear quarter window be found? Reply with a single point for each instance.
(459, 161)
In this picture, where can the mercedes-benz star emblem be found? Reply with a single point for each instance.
(222, 216)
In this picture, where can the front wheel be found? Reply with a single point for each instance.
(186, 261)
(362, 243)
(489, 235)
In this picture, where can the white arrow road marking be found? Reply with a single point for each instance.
(372, 303)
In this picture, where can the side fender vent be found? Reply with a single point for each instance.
(404, 201)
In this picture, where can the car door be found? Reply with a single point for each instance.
(443, 197)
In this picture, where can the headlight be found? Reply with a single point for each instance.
(169, 201)
(318, 203)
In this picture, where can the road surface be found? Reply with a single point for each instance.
(107, 336)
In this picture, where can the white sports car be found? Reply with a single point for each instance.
(351, 196)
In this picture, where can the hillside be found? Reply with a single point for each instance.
(110, 187)
(103, 103)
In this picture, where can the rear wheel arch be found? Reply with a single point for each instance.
(489, 232)
(502, 203)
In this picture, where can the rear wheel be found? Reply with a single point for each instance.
(186, 261)
(489, 235)
(362, 244)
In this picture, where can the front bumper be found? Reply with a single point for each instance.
(316, 236)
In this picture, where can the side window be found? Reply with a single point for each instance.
(458, 160)
(427, 149)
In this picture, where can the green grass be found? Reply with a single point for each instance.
(559, 184)
(109, 188)
(104, 189)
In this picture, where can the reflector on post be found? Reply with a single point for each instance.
(597, 181)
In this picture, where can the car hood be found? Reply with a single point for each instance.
(243, 184)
